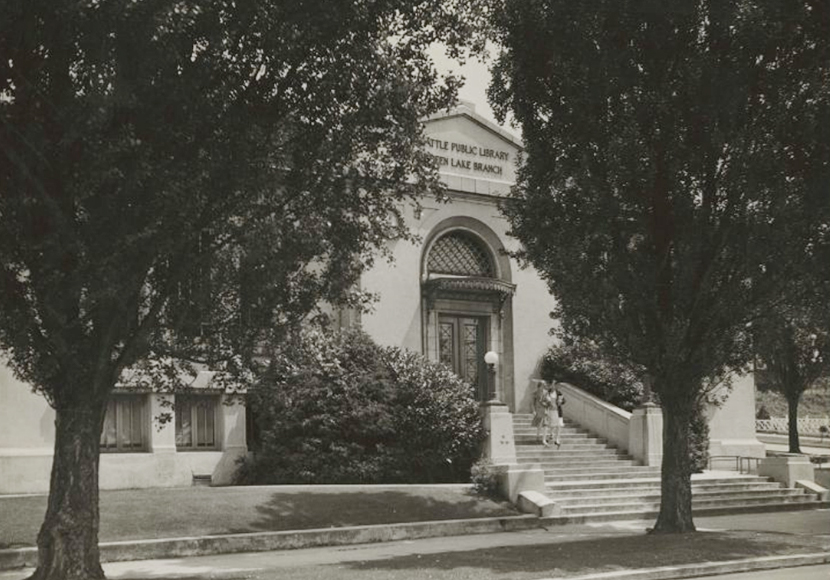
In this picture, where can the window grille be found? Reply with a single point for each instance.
(459, 254)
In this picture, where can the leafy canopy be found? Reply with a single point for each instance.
(675, 182)
(180, 178)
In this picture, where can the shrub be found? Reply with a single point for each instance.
(699, 441)
(485, 479)
(585, 366)
(337, 408)
(437, 417)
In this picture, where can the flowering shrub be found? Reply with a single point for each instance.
(337, 408)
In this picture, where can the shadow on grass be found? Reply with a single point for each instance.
(293, 511)
(185, 512)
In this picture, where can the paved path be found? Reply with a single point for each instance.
(800, 573)
(500, 555)
(810, 522)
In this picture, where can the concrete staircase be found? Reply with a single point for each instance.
(591, 481)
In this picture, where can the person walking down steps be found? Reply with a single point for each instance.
(539, 399)
(544, 412)
(557, 402)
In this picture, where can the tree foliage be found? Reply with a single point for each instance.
(582, 363)
(793, 344)
(675, 182)
(184, 179)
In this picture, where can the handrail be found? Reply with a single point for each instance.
(739, 462)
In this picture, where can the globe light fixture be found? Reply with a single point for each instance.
(492, 359)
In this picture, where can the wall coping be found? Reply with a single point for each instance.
(610, 409)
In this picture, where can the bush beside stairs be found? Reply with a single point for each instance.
(591, 481)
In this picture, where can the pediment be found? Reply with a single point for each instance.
(473, 154)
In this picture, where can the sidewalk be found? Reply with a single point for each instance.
(809, 445)
(619, 550)
(406, 532)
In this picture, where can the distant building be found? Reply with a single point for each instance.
(454, 295)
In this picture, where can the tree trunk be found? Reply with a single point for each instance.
(68, 539)
(792, 428)
(676, 477)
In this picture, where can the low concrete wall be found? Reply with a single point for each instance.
(822, 475)
(513, 480)
(596, 415)
(787, 468)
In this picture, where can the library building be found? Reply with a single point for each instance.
(456, 296)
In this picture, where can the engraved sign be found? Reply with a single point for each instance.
(477, 159)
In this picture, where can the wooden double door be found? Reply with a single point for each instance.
(462, 342)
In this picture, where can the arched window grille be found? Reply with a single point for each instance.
(460, 254)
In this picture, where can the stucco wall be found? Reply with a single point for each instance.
(27, 434)
(26, 419)
(459, 139)
(732, 425)
(396, 318)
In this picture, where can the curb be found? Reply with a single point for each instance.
(283, 540)
(708, 568)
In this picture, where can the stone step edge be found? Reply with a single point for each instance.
(183, 547)
(647, 498)
(640, 515)
(621, 492)
(699, 504)
(589, 483)
(559, 477)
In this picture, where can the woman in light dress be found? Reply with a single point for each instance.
(540, 405)
(547, 413)
(558, 400)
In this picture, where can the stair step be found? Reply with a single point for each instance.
(574, 453)
(696, 504)
(587, 472)
(531, 438)
(567, 502)
(602, 486)
(554, 462)
(553, 478)
(576, 518)
(592, 481)
(524, 447)
(562, 492)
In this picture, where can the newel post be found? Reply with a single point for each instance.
(645, 434)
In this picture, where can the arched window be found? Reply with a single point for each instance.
(461, 254)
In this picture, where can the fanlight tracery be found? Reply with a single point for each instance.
(460, 254)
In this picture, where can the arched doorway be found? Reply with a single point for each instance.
(466, 300)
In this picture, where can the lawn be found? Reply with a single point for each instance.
(206, 511)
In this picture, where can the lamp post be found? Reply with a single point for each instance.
(492, 359)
